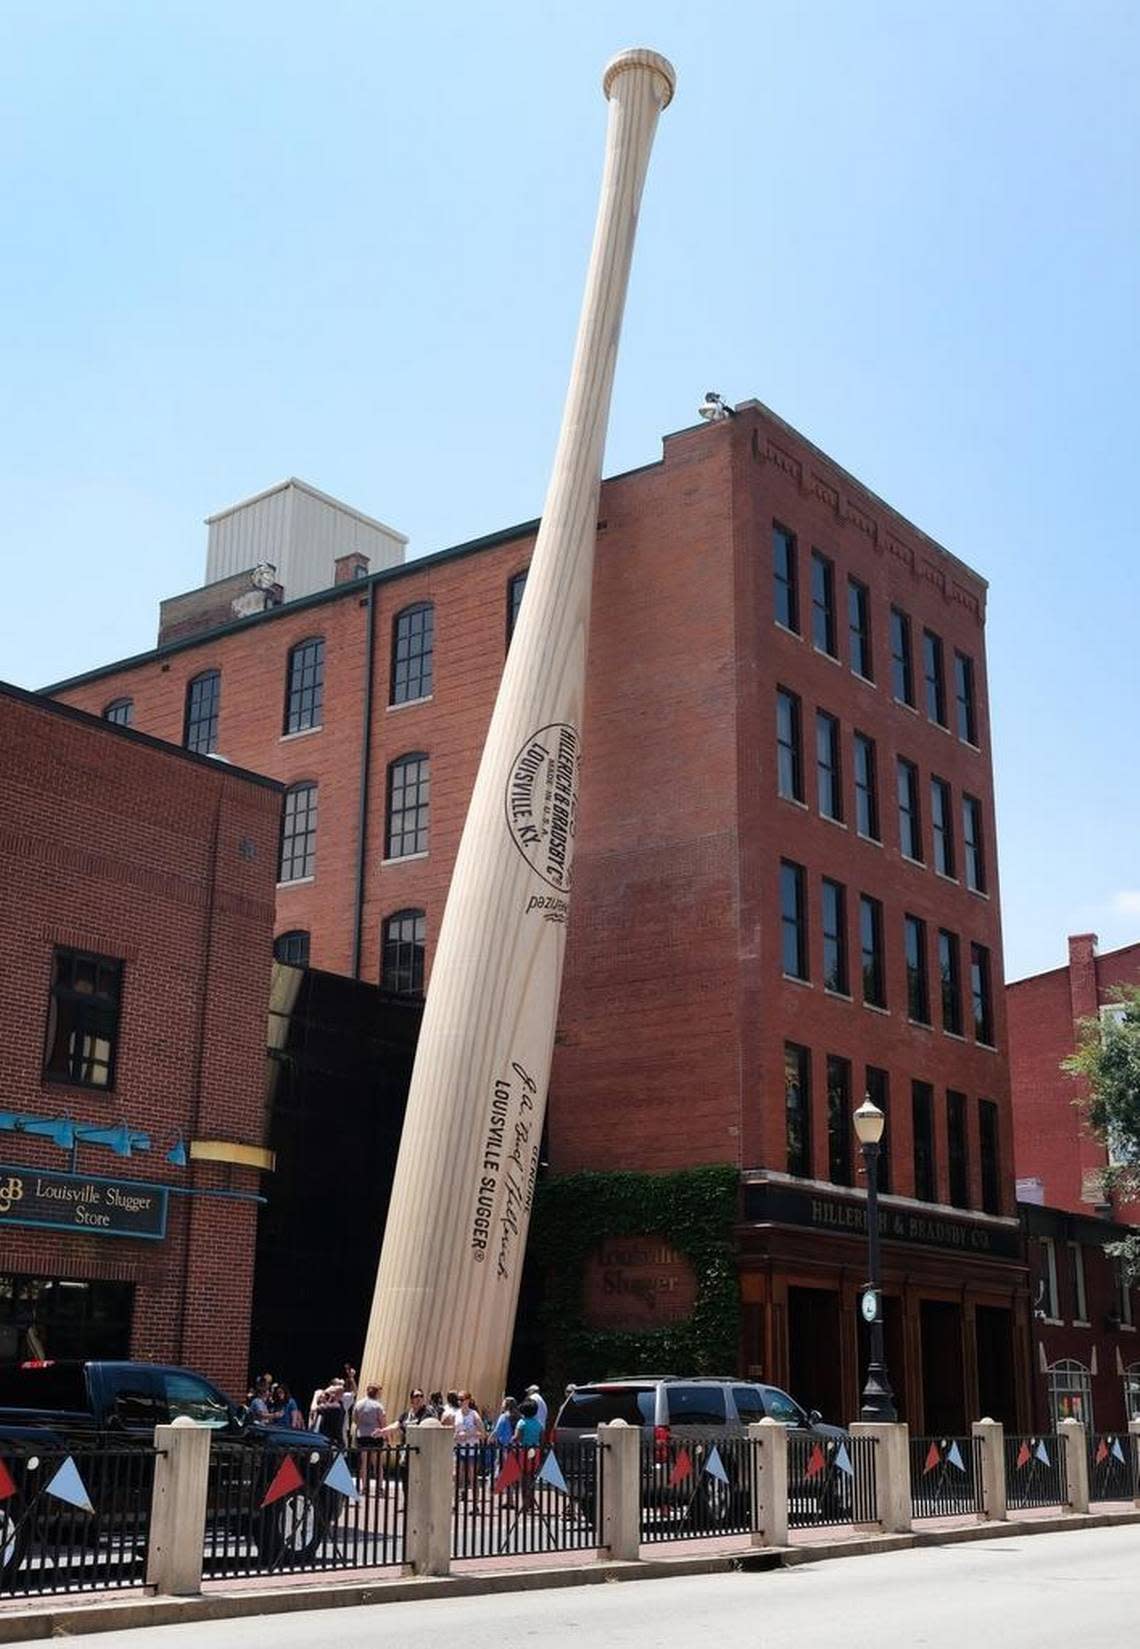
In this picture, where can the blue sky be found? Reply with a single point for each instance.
(347, 242)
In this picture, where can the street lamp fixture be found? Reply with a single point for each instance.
(878, 1398)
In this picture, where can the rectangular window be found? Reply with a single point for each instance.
(409, 802)
(1050, 1301)
(902, 674)
(958, 1150)
(413, 647)
(866, 789)
(797, 1108)
(910, 817)
(950, 978)
(516, 587)
(1123, 1297)
(298, 856)
(980, 995)
(839, 1127)
(871, 951)
(878, 1090)
(83, 1019)
(789, 759)
(964, 697)
(834, 899)
(972, 848)
(793, 917)
(859, 629)
(305, 685)
(785, 580)
(829, 781)
(922, 1113)
(934, 677)
(942, 827)
(1077, 1282)
(203, 707)
(991, 1160)
(823, 604)
(917, 989)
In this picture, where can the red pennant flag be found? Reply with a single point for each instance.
(1101, 1451)
(682, 1468)
(286, 1479)
(816, 1463)
(933, 1458)
(1023, 1456)
(509, 1472)
(7, 1487)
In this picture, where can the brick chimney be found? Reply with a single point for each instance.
(348, 567)
(1082, 975)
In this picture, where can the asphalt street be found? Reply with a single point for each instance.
(1035, 1592)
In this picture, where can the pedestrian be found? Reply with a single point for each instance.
(539, 1401)
(528, 1436)
(416, 1412)
(503, 1431)
(450, 1409)
(469, 1434)
(370, 1420)
(259, 1402)
(284, 1409)
(332, 1417)
(437, 1404)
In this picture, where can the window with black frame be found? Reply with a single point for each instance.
(516, 587)
(789, 758)
(292, 948)
(829, 777)
(957, 1149)
(902, 674)
(980, 995)
(413, 647)
(973, 850)
(402, 958)
(878, 1090)
(942, 828)
(859, 629)
(866, 789)
(793, 916)
(934, 677)
(871, 951)
(991, 1159)
(203, 708)
(833, 902)
(305, 686)
(910, 812)
(120, 712)
(922, 1116)
(409, 800)
(83, 1019)
(950, 981)
(797, 1109)
(299, 833)
(839, 1128)
(964, 698)
(917, 986)
(823, 604)
(785, 579)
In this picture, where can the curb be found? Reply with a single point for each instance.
(28, 1625)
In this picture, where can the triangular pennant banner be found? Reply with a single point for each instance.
(1101, 1452)
(682, 1468)
(1116, 1451)
(816, 1463)
(1023, 1456)
(714, 1465)
(933, 1458)
(68, 1486)
(843, 1460)
(7, 1487)
(1042, 1453)
(552, 1473)
(954, 1456)
(286, 1480)
(339, 1478)
(509, 1472)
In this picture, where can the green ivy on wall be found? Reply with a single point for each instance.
(696, 1211)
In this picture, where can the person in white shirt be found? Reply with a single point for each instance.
(469, 1436)
(539, 1402)
(370, 1420)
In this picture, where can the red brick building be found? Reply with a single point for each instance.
(786, 869)
(136, 902)
(1087, 1357)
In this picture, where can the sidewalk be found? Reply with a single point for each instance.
(24, 1620)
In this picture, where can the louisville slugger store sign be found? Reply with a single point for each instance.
(77, 1202)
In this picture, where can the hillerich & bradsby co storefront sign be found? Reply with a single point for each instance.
(789, 1205)
(82, 1202)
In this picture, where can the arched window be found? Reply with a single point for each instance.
(515, 588)
(299, 833)
(402, 953)
(292, 948)
(121, 712)
(409, 795)
(1070, 1392)
(203, 704)
(413, 641)
(305, 685)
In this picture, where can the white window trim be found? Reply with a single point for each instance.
(1052, 1300)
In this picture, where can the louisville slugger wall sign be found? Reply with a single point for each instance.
(447, 1287)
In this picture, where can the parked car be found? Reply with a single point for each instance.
(694, 1410)
(51, 1409)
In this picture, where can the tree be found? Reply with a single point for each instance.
(1107, 1060)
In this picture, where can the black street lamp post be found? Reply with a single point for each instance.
(878, 1398)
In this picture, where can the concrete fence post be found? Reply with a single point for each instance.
(620, 1465)
(992, 1435)
(892, 1473)
(769, 1515)
(431, 1485)
(178, 1508)
(1134, 1460)
(1071, 1437)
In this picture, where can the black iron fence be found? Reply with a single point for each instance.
(73, 1519)
(698, 1486)
(274, 1510)
(946, 1476)
(831, 1480)
(1035, 1473)
(514, 1500)
(1114, 1466)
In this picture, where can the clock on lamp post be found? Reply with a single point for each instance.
(878, 1398)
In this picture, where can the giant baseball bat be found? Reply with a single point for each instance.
(447, 1286)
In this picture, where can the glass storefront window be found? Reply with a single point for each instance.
(57, 1317)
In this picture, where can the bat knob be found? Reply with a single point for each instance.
(640, 57)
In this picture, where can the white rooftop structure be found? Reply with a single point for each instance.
(302, 533)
